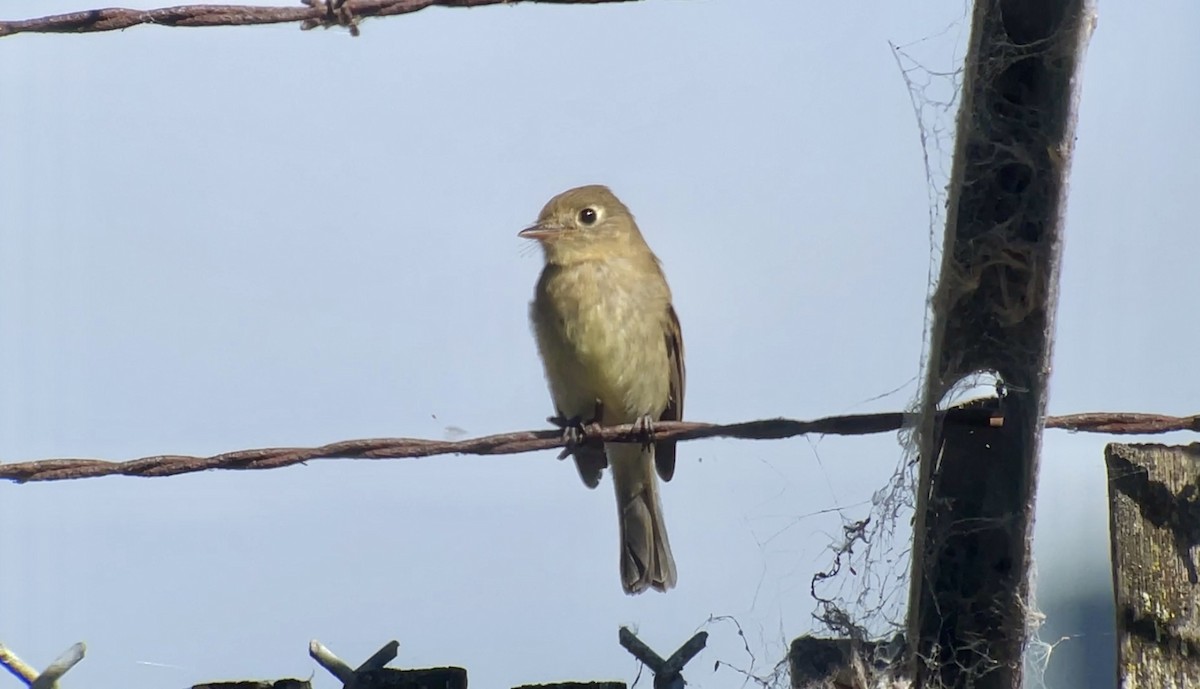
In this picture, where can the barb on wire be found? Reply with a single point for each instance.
(314, 13)
(48, 678)
(667, 673)
(373, 673)
(531, 441)
(338, 668)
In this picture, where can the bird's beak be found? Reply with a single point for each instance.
(541, 231)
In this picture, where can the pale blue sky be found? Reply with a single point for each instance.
(224, 238)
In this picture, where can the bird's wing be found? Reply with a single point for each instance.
(664, 452)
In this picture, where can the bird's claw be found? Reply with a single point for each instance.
(645, 427)
(576, 430)
(572, 433)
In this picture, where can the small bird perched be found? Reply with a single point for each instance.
(613, 353)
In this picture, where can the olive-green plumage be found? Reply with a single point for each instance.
(607, 333)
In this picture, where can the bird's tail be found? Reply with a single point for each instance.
(646, 560)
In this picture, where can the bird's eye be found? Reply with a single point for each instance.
(587, 216)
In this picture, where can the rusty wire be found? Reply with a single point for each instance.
(531, 441)
(313, 14)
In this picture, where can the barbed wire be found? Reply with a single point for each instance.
(313, 14)
(531, 441)
(48, 678)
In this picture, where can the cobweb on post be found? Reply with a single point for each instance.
(863, 594)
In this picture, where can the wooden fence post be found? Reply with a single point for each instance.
(993, 311)
(1154, 526)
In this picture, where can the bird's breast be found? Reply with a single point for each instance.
(606, 322)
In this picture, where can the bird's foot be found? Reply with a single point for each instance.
(645, 427)
(572, 433)
(576, 430)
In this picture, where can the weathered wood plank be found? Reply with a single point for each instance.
(1154, 527)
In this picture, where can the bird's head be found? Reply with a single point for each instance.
(585, 223)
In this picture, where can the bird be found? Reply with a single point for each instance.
(612, 350)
